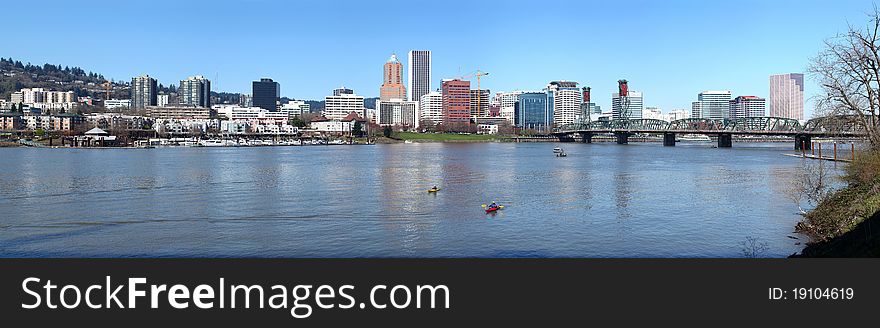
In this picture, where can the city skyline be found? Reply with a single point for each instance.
(673, 65)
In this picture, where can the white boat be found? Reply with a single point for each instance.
(337, 142)
(694, 137)
(558, 150)
(212, 143)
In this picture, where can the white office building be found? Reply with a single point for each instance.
(787, 96)
(418, 75)
(564, 100)
(711, 104)
(653, 113)
(338, 107)
(507, 104)
(630, 106)
(398, 112)
(431, 107)
(747, 106)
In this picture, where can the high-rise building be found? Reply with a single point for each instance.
(163, 100)
(634, 102)
(143, 92)
(266, 94)
(338, 107)
(747, 106)
(392, 82)
(398, 112)
(787, 96)
(419, 74)
(342, 91)
(532, 112)
(480, 103)
(194, 91)
(564, 101)
(456, 101)
(507, 104)
(431, 107)
(712, 105)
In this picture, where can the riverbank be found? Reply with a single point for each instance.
(847, 222)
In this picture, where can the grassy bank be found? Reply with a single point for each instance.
(847, 222)
(444, 137)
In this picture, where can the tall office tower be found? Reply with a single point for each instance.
(266, 94)
(480, 103)
(787, 96)
(392, 82)
(711, 105)
(456, 101)
(342, 91)
(338, 107)
(747, 106)
(418, 76)
(195, 91)
(431, 107)
(532, 112)
(564, 101)
(143, 92)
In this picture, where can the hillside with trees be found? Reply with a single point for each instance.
(15, 75)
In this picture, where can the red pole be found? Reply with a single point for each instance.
(820, 150)
(852, 152)
(835, 151)
(813, 147)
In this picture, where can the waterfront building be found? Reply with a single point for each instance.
(456, 101)
(431, 108)
(266, 94)
(711, 104)
(255, 116)
(479, 103)
(418, 74)
(392, 82)
(398, 112)
(10, 122)
(747, 106)
(44, 99)
(143, 92)
(178, 113)
(532, 112)
(337, 107)
(194, 91)
(16, 97)
(635, 100)
(564, 100)
(295, 108)
(653, 113)
(116, 121)
(117, 103)
(787, 96)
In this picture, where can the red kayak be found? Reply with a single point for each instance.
(491, 209)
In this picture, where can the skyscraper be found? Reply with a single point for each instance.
(398, 112)
(418, 76)
(456, 101)
(564, 101)
(338, 107)
(480, 103)
(143, 92)
(507, 102)
(531, 111)
(787, 96)
(266, 94)
(712, 105)
(392, 82)
(747, 106)
(195, 91)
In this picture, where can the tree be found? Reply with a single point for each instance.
(848, 71)
(358, 129)
(387, 132)
(297, 122)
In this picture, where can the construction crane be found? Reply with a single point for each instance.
(478, 74)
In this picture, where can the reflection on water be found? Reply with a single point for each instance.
(603, 200)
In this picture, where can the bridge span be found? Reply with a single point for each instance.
(723, 129)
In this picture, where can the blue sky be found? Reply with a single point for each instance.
(670, 50)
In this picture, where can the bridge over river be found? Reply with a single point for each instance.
(723, 129)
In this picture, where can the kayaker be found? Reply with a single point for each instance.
(435, 188)
(493, 205)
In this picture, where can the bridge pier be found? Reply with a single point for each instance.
(586, 137)
(802, 142)
(669, 139)
(725, 140)
(622, 137)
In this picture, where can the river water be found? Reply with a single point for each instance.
(603, 200)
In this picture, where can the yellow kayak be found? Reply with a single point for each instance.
(434, 190)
